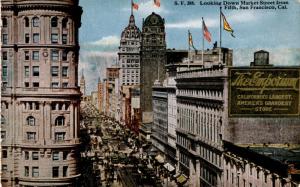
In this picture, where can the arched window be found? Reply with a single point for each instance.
(31, 121)
(64, 23)
(35, 22)
(26, 20)
(60, 121)
(54, 22)
(4, 22)
(3, 121)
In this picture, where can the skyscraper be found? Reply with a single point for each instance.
(129, 54)
(40, 94)
(153, 60)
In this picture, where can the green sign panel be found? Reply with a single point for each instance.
(263, 92)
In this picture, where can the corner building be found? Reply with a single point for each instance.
(40, 94)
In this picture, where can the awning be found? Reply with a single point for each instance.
(160, 159)
(181, 179)
(169, 167)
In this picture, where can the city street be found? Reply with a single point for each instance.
(117, 156)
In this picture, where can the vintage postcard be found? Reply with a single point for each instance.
(195, 93)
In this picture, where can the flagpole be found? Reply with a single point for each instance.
(202, 42)
(220, 32)
(131, 7)
(189, 49)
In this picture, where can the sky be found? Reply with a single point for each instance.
(277, 31)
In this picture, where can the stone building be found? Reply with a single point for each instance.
(112, 90)
(129, 54)
(205, 122)
(153, 60)
(40, 94)
(159, 134)
(200, 117)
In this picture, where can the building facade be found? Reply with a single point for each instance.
(159, 134)
(129, 54)
(40, 94)
(100, 96)
(153, 60)
(82, 84)
(200, 114)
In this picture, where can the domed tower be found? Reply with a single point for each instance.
(129, 54)
(153, 60)
(40, 94)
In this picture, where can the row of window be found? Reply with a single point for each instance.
(35, 55)
(35, 171)
(35, 155)
(36, 38)
(35, 21)
(36, 71)
(53, 85)
(59, 121)
(58, 136)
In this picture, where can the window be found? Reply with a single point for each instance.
(55, 172)
(35, 84)
(3, 121)
(54, 22)
(64, 71)
(4, 153)
(26, 155)
(55, 156)
(54, 85)
(4, 55)
(266, 177)
(26, 20)
(257, 173)
(64, 23)
(27, 38)
(4, 167)
(60, 121)
(54, 38)
(4, 71)
(35, 155)
(4, 38)
(35, 71)
(26, 84)
(26, 171)
(30, 121)
(60, 136)
(35, 55)
(54, 71)
(35, 22)
(64, 55)
(36, 37)
(4, 22)
(35, 171)
(65, 155)
(250, 184)
(3, 134)
(65, 171)
(64, 39)
(31, 135)
(64, 84)
(54, 55)
(27, 55)
(26, 71)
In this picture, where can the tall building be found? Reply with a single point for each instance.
(100, 95)
(129, 54)
(82, 84)
(153, 60)
(40, 94)
(112, 87)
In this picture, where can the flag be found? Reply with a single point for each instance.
(135, 6)
(226, 25)
(206, 33)
(157, 3)
(191, 44)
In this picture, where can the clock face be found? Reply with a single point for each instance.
(153, 20)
